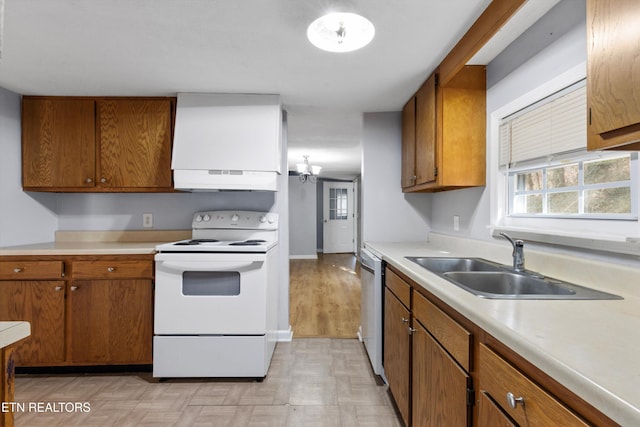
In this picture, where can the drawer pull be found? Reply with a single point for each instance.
(18, 270)
(57, 288)
(111, 269)
(513, 401)
(74, 288)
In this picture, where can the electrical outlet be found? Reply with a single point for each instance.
(456, 223)
(147, 220)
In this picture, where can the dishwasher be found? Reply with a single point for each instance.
(370, 332)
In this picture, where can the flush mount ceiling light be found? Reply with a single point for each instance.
(341, 32)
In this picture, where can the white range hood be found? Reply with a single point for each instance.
(227, 142)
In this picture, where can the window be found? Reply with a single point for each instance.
(550, 173)
(338, 203)
(587, 187)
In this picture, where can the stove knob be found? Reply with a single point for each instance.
(207, 218)
(198, 218)
(234, 217)
(263, 219)
(272, 219)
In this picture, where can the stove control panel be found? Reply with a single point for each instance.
(249, 220)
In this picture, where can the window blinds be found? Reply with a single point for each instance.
(554, 125)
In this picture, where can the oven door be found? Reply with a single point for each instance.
(210, 294)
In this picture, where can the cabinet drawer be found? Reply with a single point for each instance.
(112, 269)
(500, 379)
(29, 270)
(453, 337)
(399, 287)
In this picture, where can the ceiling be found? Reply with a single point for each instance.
(161, 47)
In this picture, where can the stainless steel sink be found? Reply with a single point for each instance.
(487, 279)
(443, 265)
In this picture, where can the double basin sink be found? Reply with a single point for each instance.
(487, 279)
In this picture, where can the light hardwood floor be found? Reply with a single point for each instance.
(311, 382)
(324, 296)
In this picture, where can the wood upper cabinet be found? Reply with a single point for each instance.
(97, 144)
(409, 144)
(613, 79)
(449, 137)
(135, 143)
(58, 143)
(397, 352)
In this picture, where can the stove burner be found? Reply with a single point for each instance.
(196, 242)
(251, 242)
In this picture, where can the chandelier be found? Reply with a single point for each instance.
(306, 172)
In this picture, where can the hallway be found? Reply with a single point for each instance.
(324, 296)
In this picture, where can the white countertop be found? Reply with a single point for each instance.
(11, 332)
(590, 347)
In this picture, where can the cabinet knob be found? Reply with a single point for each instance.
(88, 180)
(103, 180)
(17, 270)
(513, 401)
(74, 288)
(111, 269)
(411, 331)
(57, 288)
(405, 320)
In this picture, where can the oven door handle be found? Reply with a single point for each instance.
(211, 266)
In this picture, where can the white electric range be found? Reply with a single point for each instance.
(216, 297)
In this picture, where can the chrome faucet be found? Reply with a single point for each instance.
(518, 253)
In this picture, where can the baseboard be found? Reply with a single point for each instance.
(303, 256)
(285, 335)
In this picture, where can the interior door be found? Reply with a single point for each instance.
(338, 217)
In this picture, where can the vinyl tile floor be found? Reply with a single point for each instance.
(311, 382)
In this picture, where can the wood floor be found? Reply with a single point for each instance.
(324, 296)
(311, 382)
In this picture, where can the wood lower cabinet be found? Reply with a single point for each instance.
(613, 80)
(110, 321)
(439, 384)
(77, 144)
(42, 304)
(397, 352)
(523, 400)
(456, 374)
(99, 310)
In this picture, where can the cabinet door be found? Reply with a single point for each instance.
(409, 144)
(41, 303)
(439, 384)
(397, 351)
(111, 321)
(426, 132)
(135, 143)
(58, 142)
(490, 414)
(613, 83)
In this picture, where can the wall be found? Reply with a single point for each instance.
(302, 222)
(510, 77)
(388, 214)
(24, 217)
